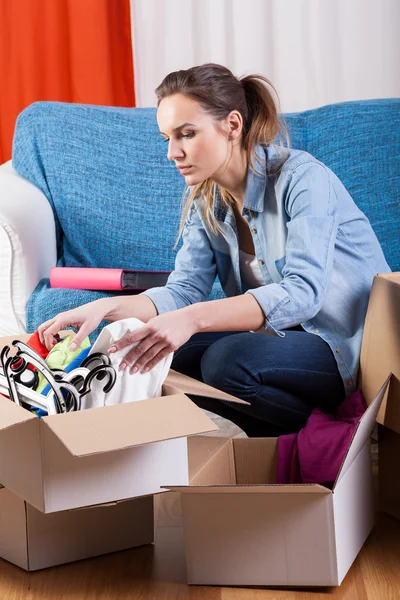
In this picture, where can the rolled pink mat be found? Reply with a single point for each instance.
(80, 278)
(86, 279)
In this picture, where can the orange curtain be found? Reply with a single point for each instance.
(65, 50)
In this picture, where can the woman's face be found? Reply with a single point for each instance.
(198, 148)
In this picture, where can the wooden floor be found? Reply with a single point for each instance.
(158, 572)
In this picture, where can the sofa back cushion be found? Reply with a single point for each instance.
(116, 197)
(360, 142)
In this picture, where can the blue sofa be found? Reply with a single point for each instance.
(115, 198)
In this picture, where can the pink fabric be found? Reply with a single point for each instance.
(316, 453)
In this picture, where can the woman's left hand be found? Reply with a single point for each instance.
(158, 337)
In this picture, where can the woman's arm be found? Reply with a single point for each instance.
(88, 316)
(195, 270)
(190, 282)
(241, 313)
(139, 306)
(310, 246)
(169, 331)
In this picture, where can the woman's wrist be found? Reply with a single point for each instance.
(108, 306)
(124, 307)
(197, 314)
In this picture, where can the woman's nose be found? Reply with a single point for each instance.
(174, 151)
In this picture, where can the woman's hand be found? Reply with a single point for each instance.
(159, 337)
(85, 318)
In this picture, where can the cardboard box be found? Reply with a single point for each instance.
(380, 352)
(33, 540)
(243, 529)
(101, 455)
(389, 481)
(380, 355)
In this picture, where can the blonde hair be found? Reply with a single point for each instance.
(219, 92)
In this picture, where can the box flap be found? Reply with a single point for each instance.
(389, 482)
(380, 350)
(201, 450)
(218, 470)
(188, 385)
(256, 460)
(13, 535)
(21, 460)
(7, 340)
(302, 488)
(12, 414)
(363, 431)
(122, 426)
(390, 276)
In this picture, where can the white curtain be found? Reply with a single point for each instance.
(315, 52)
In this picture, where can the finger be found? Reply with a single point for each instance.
(136, 353)
(50, 333)
(84, 330)
(43, 327)
(129, 338)
(59, 322)
(155, 360)
(143, 362)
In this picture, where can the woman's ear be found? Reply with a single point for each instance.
(235, 124)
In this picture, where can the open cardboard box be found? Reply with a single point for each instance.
(101, 455)
(243, 529)
(380, 355)
(33, 540)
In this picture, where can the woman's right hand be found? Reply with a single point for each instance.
(85, 318)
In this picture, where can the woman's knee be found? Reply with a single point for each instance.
(223, 359)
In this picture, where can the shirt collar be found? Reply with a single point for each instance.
(256, 182)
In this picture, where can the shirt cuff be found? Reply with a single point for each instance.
(270, 298)
(162, 299)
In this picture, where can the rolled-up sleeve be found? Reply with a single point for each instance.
(310, 245)
(195, 269)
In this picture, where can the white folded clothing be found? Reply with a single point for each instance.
(127, 388)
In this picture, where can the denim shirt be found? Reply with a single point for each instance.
(317, 253)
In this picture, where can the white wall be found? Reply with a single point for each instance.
(315, 52)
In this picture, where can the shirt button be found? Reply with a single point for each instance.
(254, 230)
(261, 261)
(316, 331)
(350, 382)
(337, 351)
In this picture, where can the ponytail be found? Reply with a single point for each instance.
(263, 124)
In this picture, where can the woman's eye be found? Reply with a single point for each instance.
(186, 135)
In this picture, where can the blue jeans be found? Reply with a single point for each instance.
(283, 379)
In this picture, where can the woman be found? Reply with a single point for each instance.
(294, 254)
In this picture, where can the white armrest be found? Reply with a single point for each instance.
(27, 246)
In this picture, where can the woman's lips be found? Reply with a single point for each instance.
(184, 169)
